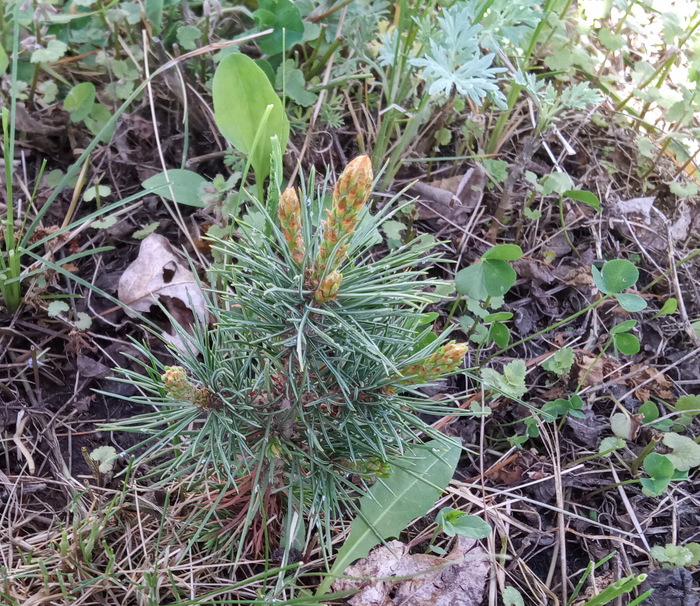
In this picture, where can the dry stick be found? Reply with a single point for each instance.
(628, 506)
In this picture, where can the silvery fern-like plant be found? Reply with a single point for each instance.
(455, 61)
(308, 373)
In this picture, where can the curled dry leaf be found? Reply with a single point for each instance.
(452, 199)
(458, 579)
(158, 276)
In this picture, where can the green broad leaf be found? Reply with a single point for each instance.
(295, 87)
(392, 503)
(56, 308)
(79, 101)
(105, 223)
(242, 93)
(627, 344)
(500, 334)
(496, 169)
(511, 383)
(95, 122)
(284, 18)
(689, 404)
(55, 49)
(658, 467)
(154, 14)
(504, 252)
(625, 326)
(512, 597)
(393, 229)
(610, 444)
(650, 411)
(498, 277)
(616, 276)
(584, 196)
(185, 186)
(631, 302)
(472, 527)
(669, 307)
(556, 182)
(470, 281)
(187, 36)
(686, 452)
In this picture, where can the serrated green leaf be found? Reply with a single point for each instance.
(610, 444)
(683, 190)
(105, 223)
(92, 192)
(561, 362)
(187, 36)
(55, 49)
(689, 404)
(57, 308)
(284, 18)
(105, 456)
(146, 231)
(83, 321)
(610, 40)
(392, 503)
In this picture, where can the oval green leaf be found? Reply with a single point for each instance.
(185, 186)
(242, 93)
(79, 101)
(504, 252)
(581, 195)
(619, 274)
(392, 503)
(470, 281)
(631, 302)
(628, 344)
(625, 326)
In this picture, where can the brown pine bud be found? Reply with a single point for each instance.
(349, 196)
(289, 214)
(442, 361)
(328, 289)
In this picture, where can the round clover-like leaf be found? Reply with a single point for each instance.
(659, 467)
(499, 276)
(504, 252)
(617, 275)
(628, 344)
(470, 281)
(500, 334)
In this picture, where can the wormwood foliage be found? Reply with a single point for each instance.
(309, 369)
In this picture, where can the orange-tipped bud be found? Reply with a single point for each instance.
(179, 387)
(349, 196)
(289, 213)
(443, 360)
(328, 289)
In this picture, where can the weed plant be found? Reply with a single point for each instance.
(308, 373)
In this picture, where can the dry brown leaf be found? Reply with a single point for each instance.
(158, 276)
(458, 579)
(454, 198)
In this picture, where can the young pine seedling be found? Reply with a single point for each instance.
(305, 383)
